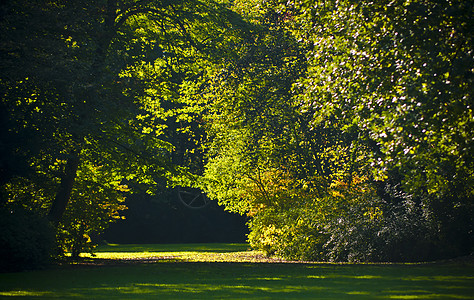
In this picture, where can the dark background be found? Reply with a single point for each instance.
(164, 219)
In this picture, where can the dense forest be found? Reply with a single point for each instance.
(343, 130)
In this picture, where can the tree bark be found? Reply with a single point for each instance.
(64, 192)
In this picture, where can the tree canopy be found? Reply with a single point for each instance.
(343, 130)
(366, 151)
(99, 94)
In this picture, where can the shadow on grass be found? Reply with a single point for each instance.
(177, 280)
(190, 271)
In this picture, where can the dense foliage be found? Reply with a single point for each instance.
(26, 240)
(96, 95)
(364, 150)
(343, 130)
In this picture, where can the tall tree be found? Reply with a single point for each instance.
(89, 85)
(375, 160)
(401, 76)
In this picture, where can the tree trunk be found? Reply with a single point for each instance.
(64, 192)
(104, 39)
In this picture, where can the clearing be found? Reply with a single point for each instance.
(202, 271)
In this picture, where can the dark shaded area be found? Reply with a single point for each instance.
(193, 247)
(26, 240)
(171, 280)
(163, 219)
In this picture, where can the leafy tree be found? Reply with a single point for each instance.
(344, 129)
(401, 76)
(371, 157)
(97, 94)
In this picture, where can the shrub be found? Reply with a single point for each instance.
(350, 224)
(26, 240)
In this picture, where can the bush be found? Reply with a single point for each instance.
(26, 240)
(353, 226)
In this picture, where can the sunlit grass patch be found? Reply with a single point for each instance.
(27, 293)
(180, 252)
(189, 256)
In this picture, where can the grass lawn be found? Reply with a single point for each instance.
(229, 271)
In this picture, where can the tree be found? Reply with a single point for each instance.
(374, 158)
(94, 92)
(401, 76)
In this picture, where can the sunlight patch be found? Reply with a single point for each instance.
(35, 294)
(358, 293)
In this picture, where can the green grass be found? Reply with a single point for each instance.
(215, 247)
(179, 252)
(186, 277)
